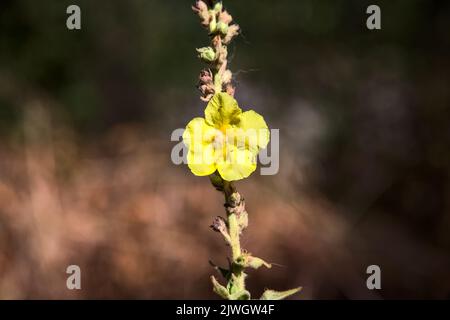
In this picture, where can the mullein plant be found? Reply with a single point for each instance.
(224, 145)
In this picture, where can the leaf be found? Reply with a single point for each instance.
(278, 295)
(255, 263)
(219, 289)
(246, 260)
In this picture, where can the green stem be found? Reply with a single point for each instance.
(234, 209)
(233, 227)
(217, 81)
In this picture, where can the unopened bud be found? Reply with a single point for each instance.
(212, 22)
(206, 89)
(218, 7)
(202, 11)
(207, 54)
(207, 98)
(233, 31)
(205, 76)
(200, 6)
(226, 76)
(225, 17)
(219, 225)
(222, 28)
(229, 88)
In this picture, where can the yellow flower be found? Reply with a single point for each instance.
(227, 139)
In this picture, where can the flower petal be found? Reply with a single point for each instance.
(198, 138)
(255, 130)
(222, 110)
(201, 161)
(198, 133)
(238, 164)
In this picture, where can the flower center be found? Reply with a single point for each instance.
(223, 128)
(219, 139)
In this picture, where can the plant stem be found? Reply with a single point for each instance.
(221, 62)
(234, 236)
(235, 209)
(215, 80)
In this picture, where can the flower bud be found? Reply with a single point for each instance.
(218, 7)
(225, 17)
(206, 89)
(202, 11)
(226, 76)
(222, 28)
(233, 31)
(207, 98)
(219, 225)
(200, 6)
(230, 89)
(207, 54)
(212, 22)
(205, 76)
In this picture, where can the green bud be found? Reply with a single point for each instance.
(213, 22)
(222, 28)
(207, 54)
(218, 7)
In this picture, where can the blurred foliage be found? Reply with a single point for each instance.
(364, 115)
(131, 56)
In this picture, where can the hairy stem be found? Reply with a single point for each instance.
(234, 236)
(235, 209)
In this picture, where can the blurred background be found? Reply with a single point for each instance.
(86, 176)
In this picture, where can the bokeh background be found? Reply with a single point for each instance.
(85, 170)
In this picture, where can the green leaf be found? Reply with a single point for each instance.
(246, 260)
(278, 295)
(219, 289)
(255, 263)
